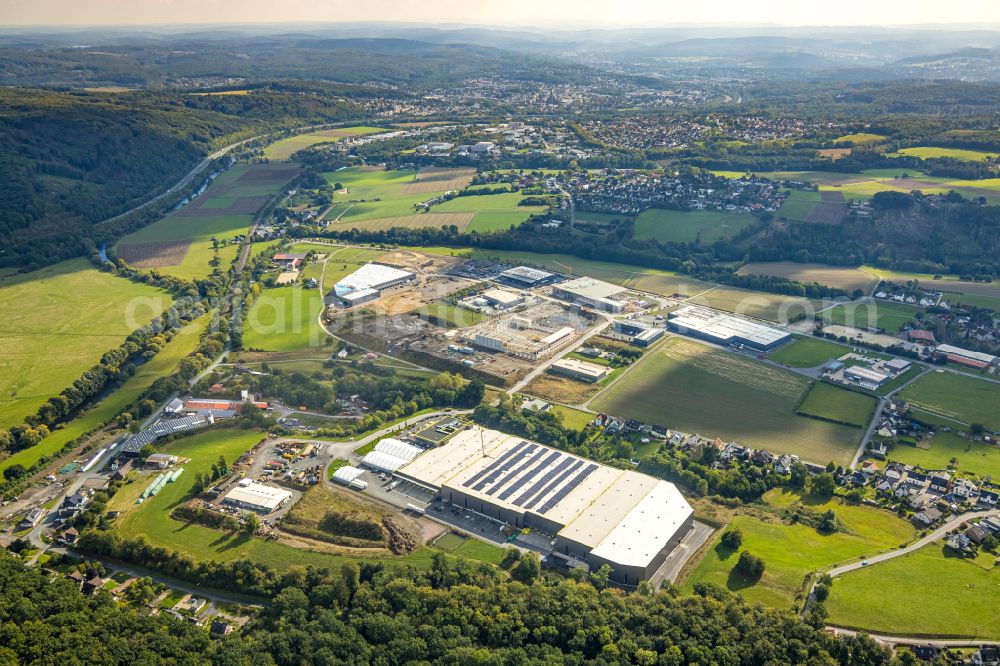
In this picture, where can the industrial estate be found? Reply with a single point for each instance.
(460, 356)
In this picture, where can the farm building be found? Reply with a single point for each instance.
(590, 292)
(603, 515)
(571, 367)
(725, 329)
(133, 446)
(501, 298)
(525, 277)
(289, 261)
(390, 454)
(367, 283)
(969, 359)
(256, 497)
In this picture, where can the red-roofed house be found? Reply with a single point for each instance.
(925, 337)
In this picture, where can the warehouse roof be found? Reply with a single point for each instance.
(346, 474)
(370, 276)
(975, 356)
(646, 528)
(590, 288)
(724, 326)
(256, 494)
(591, 371)
(526, 274)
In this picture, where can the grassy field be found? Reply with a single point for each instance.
(282, 149)
(679, 226)
(957, 396)
(573, 418)
(225, 210)
(798, 205)
(284, 319)
(832, 276)
(183, 343)
(888, 316)
(946, 283)
(974, 458)
(807, 352)
(945, 596)
(70, 312)
(773, 307)
(842, 405)
(792, 551)
(861, 138)
(492, 211)
(696, 388)
(448, 315)
(928, 152)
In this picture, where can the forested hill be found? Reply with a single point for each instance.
(174, 60)
(70, 160)
(460, 613)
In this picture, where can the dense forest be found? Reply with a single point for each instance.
(458, 612)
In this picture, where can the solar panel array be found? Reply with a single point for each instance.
(530, 473)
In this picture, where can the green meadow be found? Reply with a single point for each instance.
(680, 226)
(282, 149)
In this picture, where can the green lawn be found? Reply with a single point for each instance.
(283, 149)
(957, 396)
(928, 152)
(798, 205)
(887, 316)
(57, 322)
(839, 404)
(807, 352)
(945, 596)
(793, 551)
(975, 458)
(573, 418)
(679, 226)
(284, 319)
(696, 388)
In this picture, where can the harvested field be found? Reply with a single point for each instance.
(831, 209)
(419, 221)
(418, 261)
(561, 389)
(267, 173)
(436, 179)
(834, 153)
(832, 276)
(204, 207)
(154, 255)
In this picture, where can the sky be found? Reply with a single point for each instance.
(521, 13)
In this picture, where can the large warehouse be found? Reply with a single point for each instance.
(590, 292)
(256, 497)
(526, 277)
(600, 514)
(725, 329)
(367, 283)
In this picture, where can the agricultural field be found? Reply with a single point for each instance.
(793, 551)
(491, 212)
(842, 405)
(69, 308)
(696, 388)
(283, 149)
(860, 138)
(957, 396)
(807, 352)
(166, 360)
(951, 284)
(840, 277)
(181, 243)
(798, 205)
(772, 307)
(679, 226)
(974, 458)
(284, 319)
(929, 152)
(946, 596)
(884, 315)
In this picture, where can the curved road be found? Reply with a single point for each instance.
(909, 640)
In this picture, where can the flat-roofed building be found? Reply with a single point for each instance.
(526, 277)
(577, 369)
(501, 298)
(256, 497)
(867, 377)
(972, 359)
(590, 292)
(725, 329)
(603, 515)
(367, 283)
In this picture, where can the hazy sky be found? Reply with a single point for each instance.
(550, 13)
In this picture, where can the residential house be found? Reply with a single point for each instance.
(958, 542)
(963, 488)
(987, 655)
(74, 504)
(69, 536)
(784, 464)
(928, 516)
(940, 483)
(31, 519)
(219, 629)
(76, 577)
(762, 457)
(894, 471)
(976, 534)
(93, 585)
(988, 498)
(992, 523)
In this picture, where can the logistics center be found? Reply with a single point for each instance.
(725, 329)
(598, 514)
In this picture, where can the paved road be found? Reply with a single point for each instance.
(930, 538)
(909, 640)
(883, 401)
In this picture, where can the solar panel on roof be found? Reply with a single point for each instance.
(567, 489)
(555, 482)
(514, 474)
(502, 469)
(531, 492)
(499, 461)
(541, 465)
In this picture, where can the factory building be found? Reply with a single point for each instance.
(582, 370)
(256, 497)
(591, 293)
(367, 283)
(598, 514)
(524, 277)
(643, 333)
(725, 329)
(502, 299)
(865, 377)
